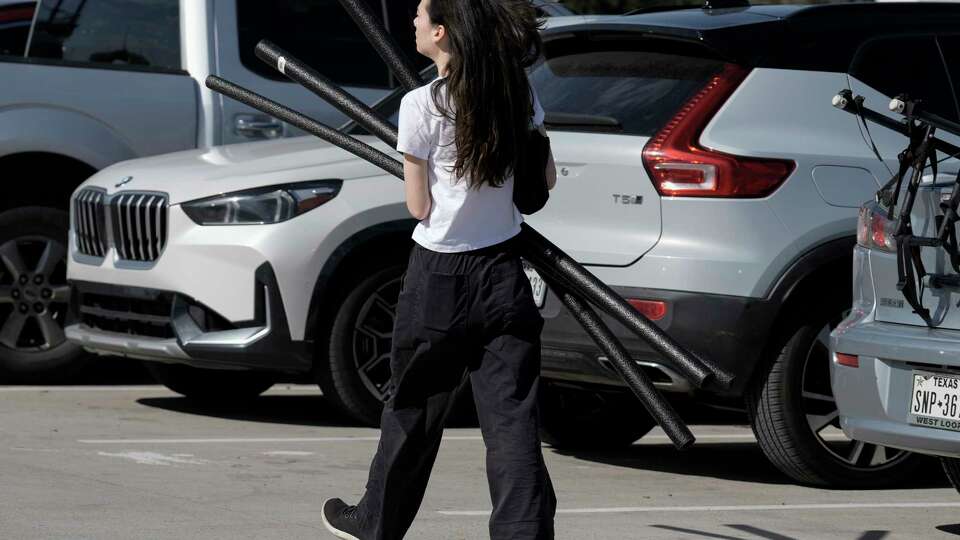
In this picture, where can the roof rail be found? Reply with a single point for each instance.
(722, 4)
(665, 6)
(707, 4)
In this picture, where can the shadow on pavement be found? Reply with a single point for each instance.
(303, 410)
(757, 532)
(107, 370)
(737, 461)
(953, 529)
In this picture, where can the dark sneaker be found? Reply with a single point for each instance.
(341, 519)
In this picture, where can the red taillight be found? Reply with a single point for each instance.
(24, 14)
(877, 231)
(680, 167)
(874, 230)
(849, 360)
(651, 309)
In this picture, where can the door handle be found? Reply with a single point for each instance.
(257, 126)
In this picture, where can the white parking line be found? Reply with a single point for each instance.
(257, 440)
(744, 508)
(227, 440)
(731, 437)
(154, 458)
(148, 387)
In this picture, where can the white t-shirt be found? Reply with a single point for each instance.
(461, 219)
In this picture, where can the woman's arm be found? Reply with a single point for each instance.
(417, 187)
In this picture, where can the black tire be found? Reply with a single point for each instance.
(791, 406)
(33, 247)
(359, 347)
(951, 466)
(211, 385)
(577, 419)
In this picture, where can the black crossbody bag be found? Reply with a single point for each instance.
(530, 191)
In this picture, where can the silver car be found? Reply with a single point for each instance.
(895, 369)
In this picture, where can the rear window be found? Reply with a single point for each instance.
(15, 22)
(139, 33)
(912, 65)
(638, 86)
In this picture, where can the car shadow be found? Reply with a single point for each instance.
(302, 410)
(96, 371)
(735, 461)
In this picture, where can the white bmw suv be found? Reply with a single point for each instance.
(228, 267)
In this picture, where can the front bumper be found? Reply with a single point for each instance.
(167, 326)
(725, 329)
(874, 398)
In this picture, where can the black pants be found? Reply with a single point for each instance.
(460, 315)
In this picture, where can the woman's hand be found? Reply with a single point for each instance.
(551, 171)
(417, 186)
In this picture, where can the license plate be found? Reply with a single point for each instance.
(935, 400)
(536, 283)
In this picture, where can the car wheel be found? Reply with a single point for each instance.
(587, 420)
(795, 419)
(35, 297)
(951, 466)
(211, 385)
(360, 343)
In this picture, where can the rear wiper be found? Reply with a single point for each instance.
(582, 122)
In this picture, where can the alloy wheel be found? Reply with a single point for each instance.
(373, 337)
(820, 409)
(34, 295)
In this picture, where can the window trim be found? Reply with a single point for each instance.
(91, 65)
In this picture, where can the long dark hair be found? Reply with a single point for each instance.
(492, 43)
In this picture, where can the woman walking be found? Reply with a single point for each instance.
(466, 307)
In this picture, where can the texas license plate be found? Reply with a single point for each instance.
(935, 400)
(536, 283)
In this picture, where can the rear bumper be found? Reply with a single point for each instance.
(725, 329)
(874, 398)
(167, 326)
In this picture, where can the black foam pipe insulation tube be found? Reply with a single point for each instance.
(401, 66)
(638, 381)
(328, 91)
(698, 371)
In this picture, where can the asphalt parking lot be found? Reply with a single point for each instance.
(134, 460)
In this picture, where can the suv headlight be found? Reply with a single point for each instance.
(261, 206)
